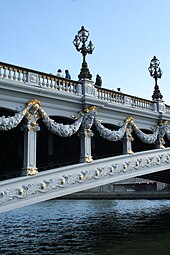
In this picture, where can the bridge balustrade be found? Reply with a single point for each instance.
(167, 109)
(121, 98)
(51, 81)
(25, 75)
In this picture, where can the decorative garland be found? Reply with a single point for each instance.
(9, 123)
(59, 128)
(147, 138)
(108, 134)
(85, 120)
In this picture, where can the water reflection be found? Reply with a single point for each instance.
(87, 227)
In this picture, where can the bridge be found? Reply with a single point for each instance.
(60, 136)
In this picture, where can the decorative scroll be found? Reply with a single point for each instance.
(59, 128)
(9, 123)
(112, 135)
(147, 138)
(89, 117)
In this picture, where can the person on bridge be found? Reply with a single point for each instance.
(98, 80)
(67, 76)
(59, 73)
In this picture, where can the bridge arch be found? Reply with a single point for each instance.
(167, 142)
(138, 145)
(102, 148)
(11, 149)
(54, 151)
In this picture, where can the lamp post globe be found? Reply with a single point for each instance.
(156, 73)
(80, 45)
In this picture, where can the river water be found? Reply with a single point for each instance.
(87, 227)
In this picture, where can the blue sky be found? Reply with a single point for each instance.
(38, 34)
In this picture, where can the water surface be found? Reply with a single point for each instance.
(79, 227)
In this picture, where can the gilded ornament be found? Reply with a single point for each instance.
(81, 177)
(43, 186)
(36, 107)
(88, 159)
(33, 102)
(129, 120)
(63, 181)
(112, 169)
(21, 191)
(148, 162)
(88, 131)
(97, 173)
(137, 164)
(130, 151)
(163, 122)
(158, 160)
(32, 171)
(90, 108)
(167, 158)
(75, 117)
(162, 142)
(124, 167)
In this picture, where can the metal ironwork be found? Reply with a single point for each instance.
(155, 72)
(80, 45)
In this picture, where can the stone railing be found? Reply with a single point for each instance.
(121, 98)
(25, 75)
(51, 81)
(167, 109)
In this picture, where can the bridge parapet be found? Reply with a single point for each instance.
(36, 78)
(121, 98)
(13, 73)
(167, 109)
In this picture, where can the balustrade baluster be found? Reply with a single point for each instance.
(111, 97)
(73, 88)
(105, 95)
(55, 84)
(52, 83)
(1, 71)
(145, 104)
(14, 75)
(40, 80)
(10, 73)
(24, 78)
(47, 82)
(5, 72)
(67, 86)
(19, 75)
(98, 94)
(137, 103)
(43, 81)
(63, 85)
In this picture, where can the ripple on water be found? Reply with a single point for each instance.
(87, 227)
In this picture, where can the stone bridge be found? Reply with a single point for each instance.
(60, 136)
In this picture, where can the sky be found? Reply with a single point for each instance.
(38, 34)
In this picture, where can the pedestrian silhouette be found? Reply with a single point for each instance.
(59, 73)
(67, 76)
(98, 80)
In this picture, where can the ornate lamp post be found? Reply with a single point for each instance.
(155, 72)
(80, 44)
